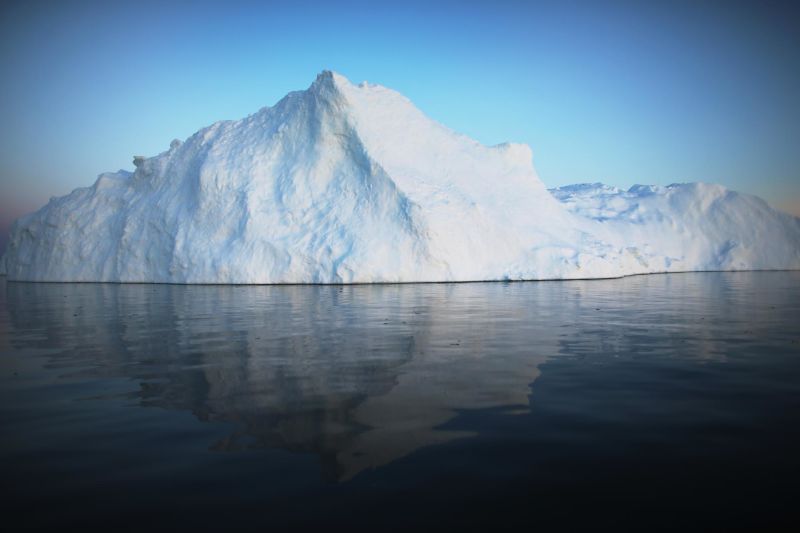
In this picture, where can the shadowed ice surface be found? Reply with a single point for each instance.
(397, 403)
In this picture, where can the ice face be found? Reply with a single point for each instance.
(345, 183)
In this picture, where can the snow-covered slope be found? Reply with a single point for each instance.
(352, 183)
(693, 226)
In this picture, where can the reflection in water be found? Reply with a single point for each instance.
(360, 375)
(364, 375)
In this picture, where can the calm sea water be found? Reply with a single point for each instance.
(652, 402)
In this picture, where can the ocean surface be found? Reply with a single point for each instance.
(648, 402)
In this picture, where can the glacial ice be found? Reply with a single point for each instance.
(345, 183)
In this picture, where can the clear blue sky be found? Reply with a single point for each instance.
(621, 92)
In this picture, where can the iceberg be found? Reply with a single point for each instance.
(690, 226)
(346, 183)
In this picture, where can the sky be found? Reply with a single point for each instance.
(622, 92)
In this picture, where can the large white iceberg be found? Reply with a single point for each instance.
(347, 183)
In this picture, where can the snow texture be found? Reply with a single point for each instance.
(347, 183)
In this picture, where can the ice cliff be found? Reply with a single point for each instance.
(345, 183)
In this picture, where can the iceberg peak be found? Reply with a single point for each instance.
(329, 81)
(346, 183)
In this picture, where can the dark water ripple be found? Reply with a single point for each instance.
(653, 401)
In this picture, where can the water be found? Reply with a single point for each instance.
(652, 402)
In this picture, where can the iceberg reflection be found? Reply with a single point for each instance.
(359, 375)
